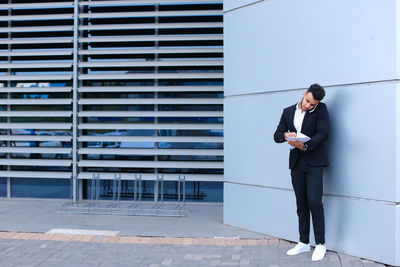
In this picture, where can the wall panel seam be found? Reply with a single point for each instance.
(385, 202)
(243, 6)
(304, 88)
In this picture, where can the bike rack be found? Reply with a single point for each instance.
(136, 207)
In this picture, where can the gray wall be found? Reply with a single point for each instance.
(273, 51)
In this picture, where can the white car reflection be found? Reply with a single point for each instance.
(49, 144)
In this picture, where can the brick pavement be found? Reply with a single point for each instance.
(44, 249)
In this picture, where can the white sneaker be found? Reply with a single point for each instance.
(319, 253)
(299, 248)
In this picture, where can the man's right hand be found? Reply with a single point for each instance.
(289, 134)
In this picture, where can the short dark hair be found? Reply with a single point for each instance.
(317, 91)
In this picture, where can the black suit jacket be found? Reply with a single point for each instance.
(315, 125)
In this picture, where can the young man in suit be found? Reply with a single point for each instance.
(306, 162)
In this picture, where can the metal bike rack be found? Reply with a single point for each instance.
(136, 207)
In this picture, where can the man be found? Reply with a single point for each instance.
(306, 161)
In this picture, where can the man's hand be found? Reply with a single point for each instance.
(289, 134)
(296, 144)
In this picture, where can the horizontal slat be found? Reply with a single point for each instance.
(36, 65)
(140, 2)
(189, 152)
(47, 150)
(153, 38)
(35, 174)
(36, 162)
(151, 89)
(151, 63)
(35, 138)
(152, 177)
(34, 89)
(38, 5)
(38, 41)
(36, 17)
(151, 101)
(37, 53)
(151, 164)
(149, 114)
(149, 76)
(35, 77)
(92, 75)
(141, 26)
(182, 126)
(150, 51)
(116, 138)
(37, 29)
(58, 126)
(179, 13)
(59, 101)
(35, 113)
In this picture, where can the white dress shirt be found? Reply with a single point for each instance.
(298, 118)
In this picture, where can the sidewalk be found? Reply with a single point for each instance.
(32, 233)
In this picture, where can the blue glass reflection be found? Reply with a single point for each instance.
(40, 188)
(195, 191)
(3, 187)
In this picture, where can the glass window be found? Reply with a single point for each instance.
(195, 191)
(3, 187)
(40, 188)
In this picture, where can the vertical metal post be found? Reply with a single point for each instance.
(117, 189)
(156, 59)
(114, 187)
(9, 96)
(161, 189)
(135, 189)
(184, 190)
(93, 187)
(8, 187)
(179, 189)
(75, 104)
(140, 189)
(97, 184)
(156, 190)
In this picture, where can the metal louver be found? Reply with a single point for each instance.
(130, 87)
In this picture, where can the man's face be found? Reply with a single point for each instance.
(308, 102)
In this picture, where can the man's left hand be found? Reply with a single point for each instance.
(296, 144)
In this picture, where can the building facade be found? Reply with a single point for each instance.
(274, 50)
(105, 87)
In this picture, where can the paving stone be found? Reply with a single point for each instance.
(244, 262)
(345, 257)
(236, 257)
(198, 257)
(356, 263)
(35, 250)
(284, 243)
(237, 248)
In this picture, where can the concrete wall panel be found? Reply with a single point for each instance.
(273, 51)
(350, 223)
(361, 138)
(397, 235)
(262, 210)
(274, 45)
(361, 145)
(398, 144)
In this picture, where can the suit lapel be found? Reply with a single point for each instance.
(306, 116)
(291, 123)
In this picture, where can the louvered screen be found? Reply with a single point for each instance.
(149, 89)
(36, 57)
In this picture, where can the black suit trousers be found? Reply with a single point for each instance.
(308, 187)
